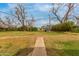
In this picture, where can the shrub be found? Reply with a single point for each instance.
(76, 30)
(22, 28)
(67, 26)
(34, 29)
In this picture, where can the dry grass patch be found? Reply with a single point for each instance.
(13, 45)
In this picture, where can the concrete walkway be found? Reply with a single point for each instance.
(39, 48)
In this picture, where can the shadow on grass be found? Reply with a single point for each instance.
(50, 52)
(38, 51)
(24, 52)
(61, 52)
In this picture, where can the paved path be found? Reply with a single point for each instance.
(39, 49)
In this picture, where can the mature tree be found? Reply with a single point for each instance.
(9, 22)
(8, 19)
(2, 24)
(18, 17)
(31, 23)
(67, 11)
(20, 13)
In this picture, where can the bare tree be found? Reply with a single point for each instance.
(70, 8)
(68, 12)
(9, 22)
(20, 13)
(31, 22)
(18, 16)
(9, 19)
(2, 24)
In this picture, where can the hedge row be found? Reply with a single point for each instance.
(67, 26)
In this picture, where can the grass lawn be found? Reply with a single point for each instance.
(22, 42)
(18, 45)
(17, 33)
(66, 44)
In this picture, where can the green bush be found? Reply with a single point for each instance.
(76, 30)
(34, 29)
(25, 28)
(67, 26)
(22, 28)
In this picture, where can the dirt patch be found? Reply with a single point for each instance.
(24, 52)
